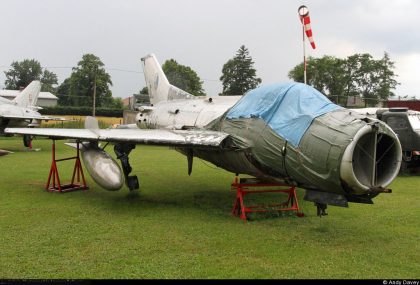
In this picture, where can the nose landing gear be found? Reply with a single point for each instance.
(320, 209)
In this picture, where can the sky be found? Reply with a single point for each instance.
(205, 34)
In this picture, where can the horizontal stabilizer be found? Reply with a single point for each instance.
(127, 126)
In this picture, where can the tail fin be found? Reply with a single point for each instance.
(91, 123)
(157, 84)
(29, 96)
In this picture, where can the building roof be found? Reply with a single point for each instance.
(127, 101)
(14, 93)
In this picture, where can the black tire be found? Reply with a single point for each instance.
(27, 139)
(404, 167)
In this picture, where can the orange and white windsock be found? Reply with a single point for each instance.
(306, 22)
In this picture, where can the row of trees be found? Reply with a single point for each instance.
(75, 90)
(359, 75)
(356, 75)
(22, 73)
(238, 75)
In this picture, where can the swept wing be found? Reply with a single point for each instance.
(43, 118)
(196, 138)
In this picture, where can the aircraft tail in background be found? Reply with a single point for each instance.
(29, 96)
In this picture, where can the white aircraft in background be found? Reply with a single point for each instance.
(22, 111)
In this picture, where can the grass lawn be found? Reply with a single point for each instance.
(181, 227)
(78, 122)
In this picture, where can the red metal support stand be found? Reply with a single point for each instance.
(249, 186)
(54, 184)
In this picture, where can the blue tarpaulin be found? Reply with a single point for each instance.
(288, 108)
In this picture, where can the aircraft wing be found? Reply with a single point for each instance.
(49, 118)
(44, 118)
(193, 138)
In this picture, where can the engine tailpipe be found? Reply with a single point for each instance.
(372, 160)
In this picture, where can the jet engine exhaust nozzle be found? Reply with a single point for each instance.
(372, 160)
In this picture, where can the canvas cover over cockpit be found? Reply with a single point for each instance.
(288, 108)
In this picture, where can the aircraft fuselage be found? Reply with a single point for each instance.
(328, 158)
(185, 113)
(12, 116)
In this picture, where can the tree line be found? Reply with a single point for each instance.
(358, 75)
(76, 90)
(238, 75)
(339, 79)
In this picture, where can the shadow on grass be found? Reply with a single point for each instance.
(209, 202)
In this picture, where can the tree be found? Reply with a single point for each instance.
(321, 73)
(297, 73)
(145, 90)
(116, 103)
(183, 77)
(367, 78)
(357, 75)
(350, 74)
(374, 79)
(63, 93)
(77, 90)
(386, 78)
(24, 72)
(48, 80)
(238, 74)
(324, 74)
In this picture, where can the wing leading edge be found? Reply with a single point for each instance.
(43, 118)
(194, 138)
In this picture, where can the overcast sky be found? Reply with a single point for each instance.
(204, 34)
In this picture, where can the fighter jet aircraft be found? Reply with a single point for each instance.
(286, 132)
(22, 111)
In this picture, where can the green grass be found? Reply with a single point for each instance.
(180, 227)
(78, 122)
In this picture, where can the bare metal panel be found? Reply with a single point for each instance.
(179, 114)
(103, 168)
(55, 132)
(157, 137)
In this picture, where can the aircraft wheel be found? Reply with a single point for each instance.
(404, 167)
(27, 140)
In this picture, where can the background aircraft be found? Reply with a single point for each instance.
(406, 124)
(22, 111)
(286, 132)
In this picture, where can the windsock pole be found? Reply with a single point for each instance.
(306, 29)
(304, 52)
